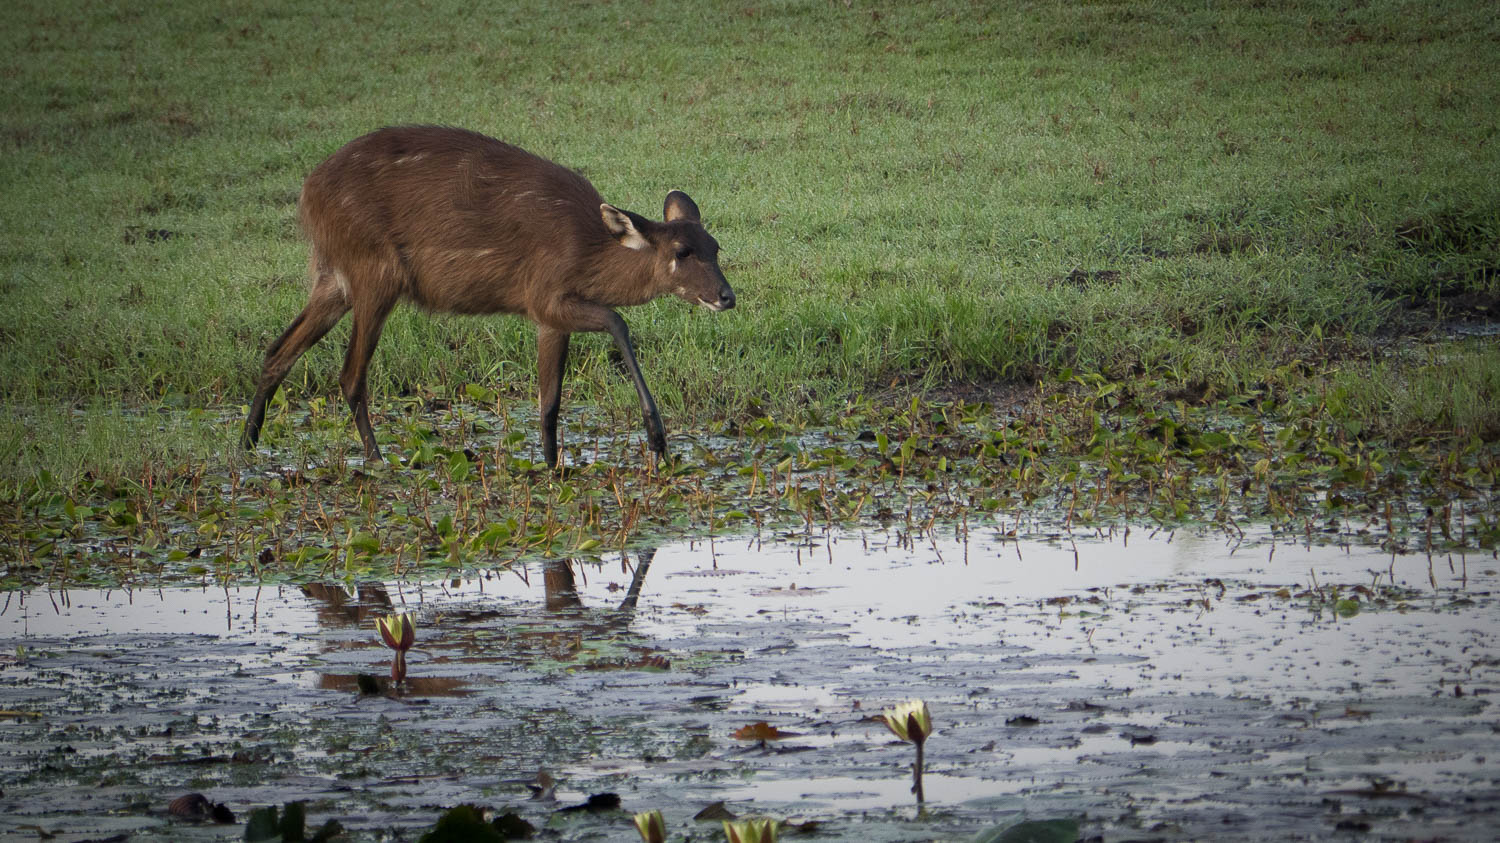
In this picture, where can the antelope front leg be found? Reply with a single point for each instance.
(552, 355)
(586, 316)
(656, 434)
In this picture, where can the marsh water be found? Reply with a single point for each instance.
(1188, 685)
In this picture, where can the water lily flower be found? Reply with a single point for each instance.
(652, 827)
(750, 831)
(399, 633)
(911, 721)
(397, 630)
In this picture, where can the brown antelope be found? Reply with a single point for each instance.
(459, 222)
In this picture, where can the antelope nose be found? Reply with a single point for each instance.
(726, 299)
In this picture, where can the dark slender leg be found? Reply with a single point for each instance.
(551, 357)
(368, 321)
(656, 434)
(586, 316)
(323, 311)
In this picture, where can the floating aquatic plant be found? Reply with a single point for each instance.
(399, 633)
(1075, 455)
(911, 721)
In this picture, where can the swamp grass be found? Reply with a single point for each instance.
(1261, 202)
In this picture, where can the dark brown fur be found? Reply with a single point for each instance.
(455, 221)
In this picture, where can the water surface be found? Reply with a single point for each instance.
(1144, 683)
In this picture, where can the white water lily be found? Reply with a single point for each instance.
(909, 721)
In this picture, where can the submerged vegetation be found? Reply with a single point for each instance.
(1134, 263)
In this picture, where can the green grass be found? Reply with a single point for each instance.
(1450, 387)
(903, 195)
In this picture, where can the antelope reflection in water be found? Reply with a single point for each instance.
(452, 631)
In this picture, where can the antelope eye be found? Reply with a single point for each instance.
(684, 252)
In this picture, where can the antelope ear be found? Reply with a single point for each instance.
(623, 228)
(680, 206)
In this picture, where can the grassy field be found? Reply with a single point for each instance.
(1200, 199)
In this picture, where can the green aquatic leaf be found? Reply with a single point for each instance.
(364, 543)
(493, 536)
(459, 467)
(480, 394)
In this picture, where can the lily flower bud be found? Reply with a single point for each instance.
(909, 721)
(652, 827)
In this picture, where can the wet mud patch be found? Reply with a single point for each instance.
(1165, 685)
